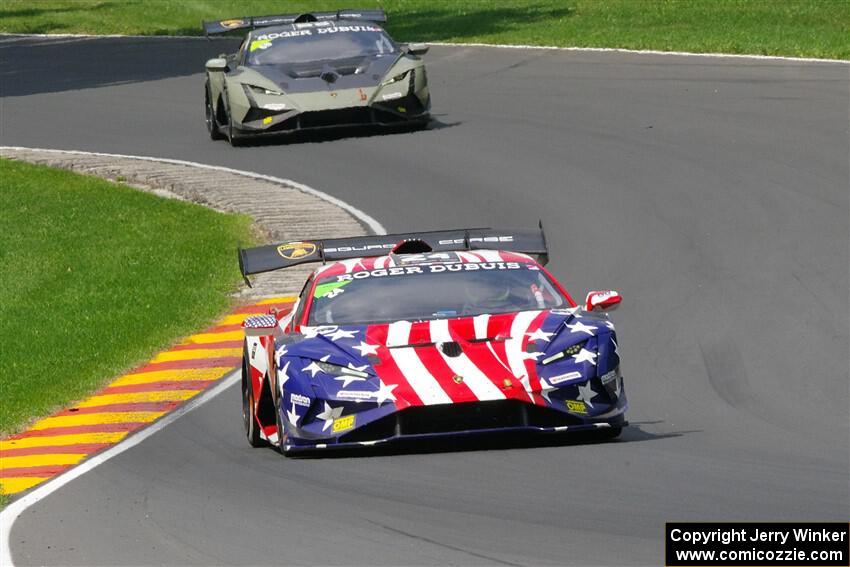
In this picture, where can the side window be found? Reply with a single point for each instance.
(302, 302)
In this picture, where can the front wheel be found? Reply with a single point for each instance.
(249, 418)
(209, 116)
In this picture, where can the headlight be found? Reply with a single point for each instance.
(395, 79)
(261, 90)
(569, 351)
(336, 370)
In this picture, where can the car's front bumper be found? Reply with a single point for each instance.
(407, 110)
(428, 422)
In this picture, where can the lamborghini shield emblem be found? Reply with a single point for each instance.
(296, 250)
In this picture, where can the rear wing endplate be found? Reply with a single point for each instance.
(252, 22)
(287, 254)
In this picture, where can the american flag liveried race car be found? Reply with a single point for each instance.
(426, 334)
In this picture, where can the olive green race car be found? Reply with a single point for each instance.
(319, 70)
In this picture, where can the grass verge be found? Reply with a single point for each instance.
(800, 28)
(96, 278)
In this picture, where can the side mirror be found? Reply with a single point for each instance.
(602, 299)
(216, 65)
(417, 48)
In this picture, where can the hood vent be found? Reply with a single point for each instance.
(451, 349)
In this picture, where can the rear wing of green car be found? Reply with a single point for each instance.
(252, 22)
(287, 254)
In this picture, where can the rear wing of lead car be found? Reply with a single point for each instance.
(252, 22)
(287, 254)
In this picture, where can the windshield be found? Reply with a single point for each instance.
(434, 291)
(318, 43)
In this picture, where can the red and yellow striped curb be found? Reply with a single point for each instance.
(58, 442)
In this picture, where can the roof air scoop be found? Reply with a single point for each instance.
(412, 246)
(329, 76)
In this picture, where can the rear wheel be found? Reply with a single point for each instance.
(249, 419)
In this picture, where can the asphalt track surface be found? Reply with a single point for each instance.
(713, 193)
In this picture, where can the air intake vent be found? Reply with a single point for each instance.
(451, 349)
(412, 246)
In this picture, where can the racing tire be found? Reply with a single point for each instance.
(279, 429)
(209, 116)
(249, 420)
(234, 140)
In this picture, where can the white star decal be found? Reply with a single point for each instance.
(587, 393)
(385, 392)
(329, 415)
(539, 335)
(314, 368)
(617, 352)
(365, 348)
(282, 376)
(617, 388)
(580, 327)
(585, 355)
(544, 389)
(292, 415)
(346, 379)
(531, 355)
(340, 334)
(281, 351)
(609, 324)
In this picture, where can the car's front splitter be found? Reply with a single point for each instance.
(617, 421)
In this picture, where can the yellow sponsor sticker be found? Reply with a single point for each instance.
(343, 423)
(576, 406)
(259, 44)
(296, 250)
(267, 120)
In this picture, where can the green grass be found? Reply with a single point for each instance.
(803, 28)
(96, 277)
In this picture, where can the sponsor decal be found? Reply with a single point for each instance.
(275, 106)
(401, 109)
(343, 423)
(330, 289)
(253, 351)
(355, 394)
(260, 44)
(284, 34)
(391, 96)
(564, 377)
(478, 239)
(433, 269)
(576, 406)
(609, 376)
(360, 248)
(458, 379)
(230, 24)
(296, 250)
(267, 120)
(350, 29)
(299, 400)
(362, 94)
